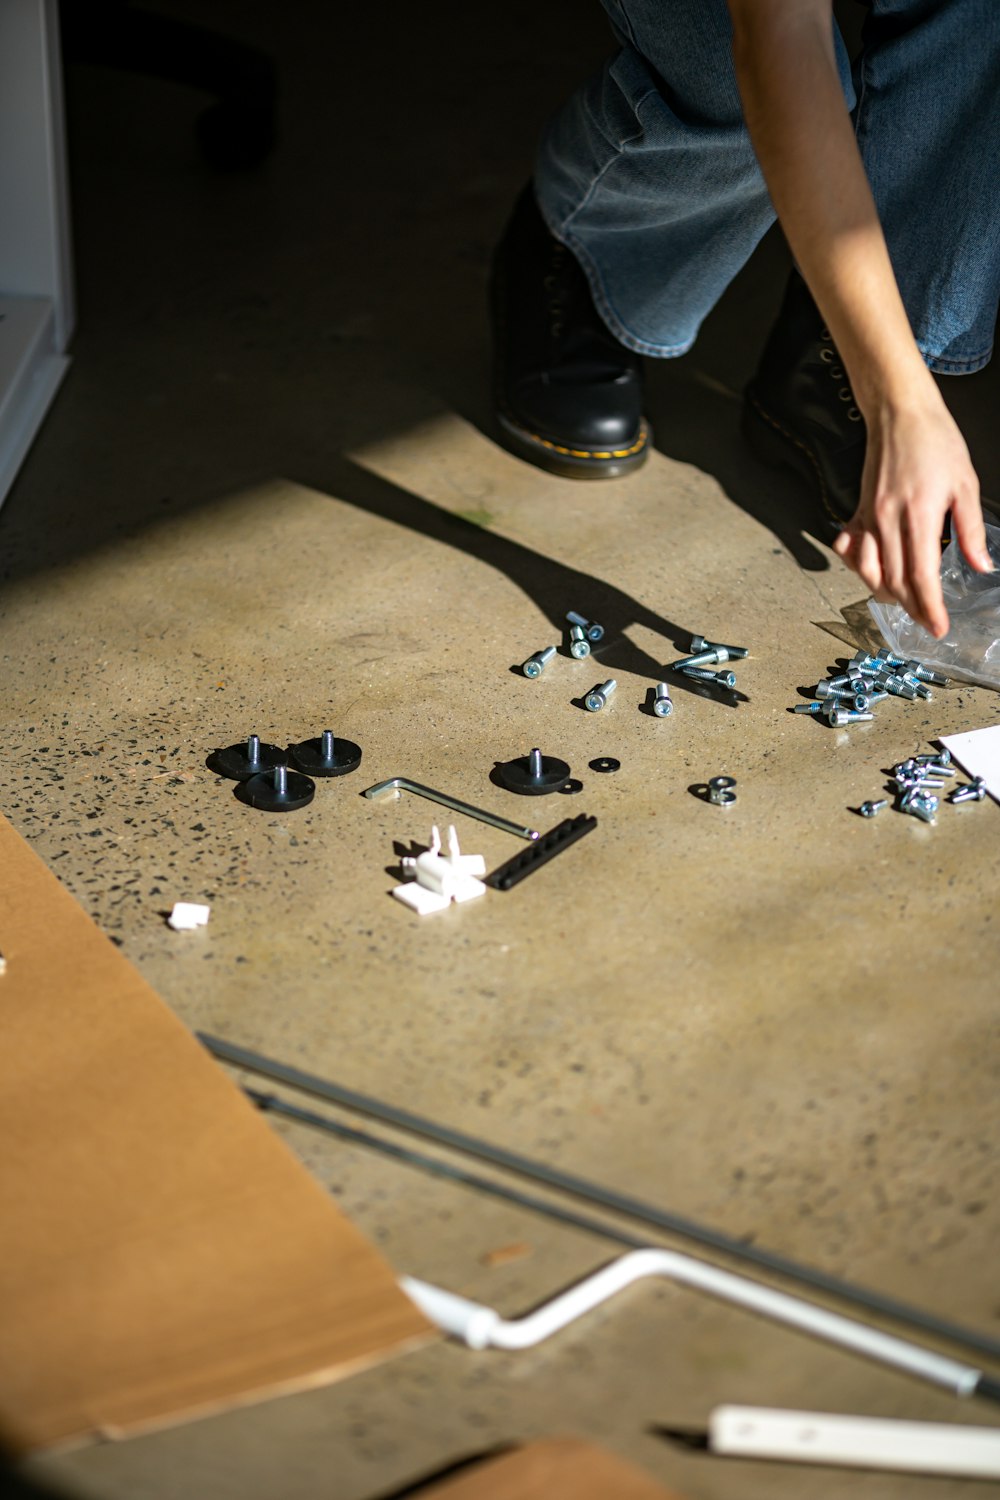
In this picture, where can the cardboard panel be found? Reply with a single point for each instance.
(161, 1251)
(550, 1468)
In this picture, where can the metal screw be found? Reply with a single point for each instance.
(940, 758)
(710, 657)
(809, 708)
(974, 792)
(661, 700)
(838, 717)
(721, 679)
(733, 653)
(831, 690)
(536, 663)
(593, 631)
(869, 809)
(720, 791)
(579, 646)
(925, 674)
(598, 696)
(898, 687)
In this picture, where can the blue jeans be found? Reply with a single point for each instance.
(648, 175)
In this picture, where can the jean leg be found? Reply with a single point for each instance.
(649, 176)
(928, 125)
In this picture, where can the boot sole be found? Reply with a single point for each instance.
(575, 463)
(775, 446)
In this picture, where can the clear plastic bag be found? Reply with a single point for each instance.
(971, 649)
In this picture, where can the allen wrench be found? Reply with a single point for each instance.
(404, 784)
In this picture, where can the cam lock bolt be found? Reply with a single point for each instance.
(869, 809)
(579, 646)
(326, 756)
(537, 662)
(590, 628)
(661, 700)
(701, 674)
(974, 792)
(598, 696)
(279, 790)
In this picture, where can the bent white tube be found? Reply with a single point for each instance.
(856, 1442)
(479, 1326)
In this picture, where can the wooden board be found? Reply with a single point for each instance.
(548, 1470)
(162, 1253)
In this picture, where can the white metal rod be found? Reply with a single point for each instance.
(480, 1326)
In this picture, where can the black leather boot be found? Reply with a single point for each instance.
(799, 409)
(568, 394)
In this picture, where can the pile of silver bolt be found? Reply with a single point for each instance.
(916, 780)
(869, 679)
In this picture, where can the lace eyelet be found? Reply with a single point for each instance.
(824, 334)
(836, 372)
(845, 393)
(853, 415)
(826, 355)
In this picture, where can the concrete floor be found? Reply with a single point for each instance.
(268, 499)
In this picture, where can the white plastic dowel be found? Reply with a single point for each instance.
(855, 1442)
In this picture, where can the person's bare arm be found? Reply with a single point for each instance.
(917, 467)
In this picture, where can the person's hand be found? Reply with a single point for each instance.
(917, 469)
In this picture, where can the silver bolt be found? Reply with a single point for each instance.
(579, 646)
(710, 657)
(253, 749)
(809, 708)
(720, 791)
(733, 653)
(592, 630)
(838, 717)
(925, 674)
(661, 700)
(898, 687)
(974, 792)
(700, 674)
(829, 689)
(598, 696)
(861, 702)
(281, 779)
(535, 665)
(869, 809)
(940, 758)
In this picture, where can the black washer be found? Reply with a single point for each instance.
(605, 763)
(573, 785)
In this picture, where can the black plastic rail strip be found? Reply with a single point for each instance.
(548, 846)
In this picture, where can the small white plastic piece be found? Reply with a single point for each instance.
(3, 964)
(439, 879)
(856, 1442)
(187, 915)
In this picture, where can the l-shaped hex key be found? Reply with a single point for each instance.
(404, 784)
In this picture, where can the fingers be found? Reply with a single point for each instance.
(970, 532)
(901, 562)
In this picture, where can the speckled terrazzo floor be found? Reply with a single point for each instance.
(267, 499)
